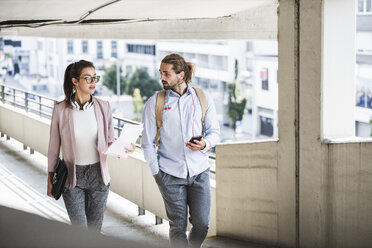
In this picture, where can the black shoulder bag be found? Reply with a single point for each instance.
(59, 179)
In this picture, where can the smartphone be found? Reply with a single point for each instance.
(195, 138)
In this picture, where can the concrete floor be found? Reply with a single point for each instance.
(23, 187)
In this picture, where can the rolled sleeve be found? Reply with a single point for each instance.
(207, 146)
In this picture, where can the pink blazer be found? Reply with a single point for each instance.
(62, 138)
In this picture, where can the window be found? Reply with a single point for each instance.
(84, 46)
(141, 49)
(277, 76)
(51, 70)
(70, 47)
(264, 78)
(203, 82)
(40, 88)
(202, 60)
(14, 43)
(114, 49)
(99, 50)
(249, 46)
(17, 43)
(40, 45)
(189, 56)
(266, 126)
(364, 7)
(214, 84)
(364, 98)
(218, 62)
(51, 46)
(128, 69)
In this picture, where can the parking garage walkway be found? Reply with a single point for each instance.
(23, 187)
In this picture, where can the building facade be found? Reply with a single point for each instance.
(363, 112)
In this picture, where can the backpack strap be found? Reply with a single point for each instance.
(203, 104)
(159, 106)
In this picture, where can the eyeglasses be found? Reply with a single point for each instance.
(90, 79)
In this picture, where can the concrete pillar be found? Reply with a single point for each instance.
(325, 89)
(312, 169)
(287, 122)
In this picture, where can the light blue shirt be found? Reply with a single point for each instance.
(181, 121)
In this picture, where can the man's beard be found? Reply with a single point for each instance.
(169, 87)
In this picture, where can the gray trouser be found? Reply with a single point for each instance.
(86, 202)
(178, 193)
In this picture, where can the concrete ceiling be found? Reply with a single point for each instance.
(142, 19)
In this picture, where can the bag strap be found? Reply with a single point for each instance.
(203, 105)
(159, 106)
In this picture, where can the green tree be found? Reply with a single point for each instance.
(237, 103)
(137, 104)
(146, 84)
(109, 79)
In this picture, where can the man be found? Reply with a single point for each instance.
(181, 167)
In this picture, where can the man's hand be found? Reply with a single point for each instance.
(155, 176)
(199, 145)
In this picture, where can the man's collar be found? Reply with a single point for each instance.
(173, 93)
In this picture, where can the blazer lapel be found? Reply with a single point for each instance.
(72, 130)
(100, 128)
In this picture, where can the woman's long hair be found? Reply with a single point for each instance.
(179, 65)
(73, 70)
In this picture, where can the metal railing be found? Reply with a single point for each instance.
(28, 101)
(43, 106)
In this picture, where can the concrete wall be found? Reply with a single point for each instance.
(32, 132)
(248, 195)
(130, 178)
(247, 191)
(349, 195)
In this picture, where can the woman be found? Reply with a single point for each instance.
(82, 129)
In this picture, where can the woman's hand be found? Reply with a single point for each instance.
(131, 150)
(49, 184)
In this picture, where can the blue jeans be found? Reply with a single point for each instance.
(178, 194)
(86, 203)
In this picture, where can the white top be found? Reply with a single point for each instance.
(86, 134)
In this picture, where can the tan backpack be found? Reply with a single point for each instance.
(159, 106)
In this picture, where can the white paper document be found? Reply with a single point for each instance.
(129, 134)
